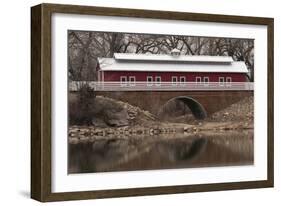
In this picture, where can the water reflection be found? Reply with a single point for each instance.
(162, 152)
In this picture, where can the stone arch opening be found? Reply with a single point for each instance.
(197, 110)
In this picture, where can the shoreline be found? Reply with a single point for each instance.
(83, 134)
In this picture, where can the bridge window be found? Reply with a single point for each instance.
(174, 80)
(158, 81)
(149, 80)
(198, 79)
(221, 81)
(123, 81)
(206, 80)
(182, 80)
(228, 81)
(132, 81)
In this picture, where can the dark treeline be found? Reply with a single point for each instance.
(85, 47)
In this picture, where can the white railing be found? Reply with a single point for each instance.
(163, 86)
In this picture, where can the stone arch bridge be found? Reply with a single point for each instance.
(201, 103)
(202, 99)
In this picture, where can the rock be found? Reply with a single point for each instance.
(98, 122)
(84, 139)
(109, 132)
(241, 111)
(103, 112)
(117, 119)
(156, 131)
(99, 132)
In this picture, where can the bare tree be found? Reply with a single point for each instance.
(86, 47)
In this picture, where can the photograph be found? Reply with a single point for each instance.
(140, 101)
(133, 102)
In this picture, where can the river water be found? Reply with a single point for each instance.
(162, 152)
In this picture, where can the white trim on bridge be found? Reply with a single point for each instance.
(163, 86)
(173, 58)
(113, 65)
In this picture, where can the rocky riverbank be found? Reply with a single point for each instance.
(242, 111)
(117, 119)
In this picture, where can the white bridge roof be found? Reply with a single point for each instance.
(153, 63)
(173, 58)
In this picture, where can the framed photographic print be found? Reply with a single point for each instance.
(132, 102)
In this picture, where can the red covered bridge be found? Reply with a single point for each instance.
(204, 83)
(180, 72)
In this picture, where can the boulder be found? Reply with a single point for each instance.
(98, 122)
(116, 118)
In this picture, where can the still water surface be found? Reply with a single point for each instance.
(162, 152)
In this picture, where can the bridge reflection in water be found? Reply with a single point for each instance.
(178, 151)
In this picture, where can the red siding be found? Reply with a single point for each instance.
(167, 77)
